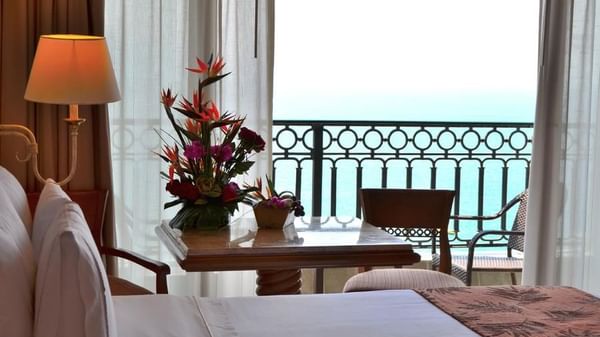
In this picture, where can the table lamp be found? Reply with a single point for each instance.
(72, 70)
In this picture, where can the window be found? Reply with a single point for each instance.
(461, 60)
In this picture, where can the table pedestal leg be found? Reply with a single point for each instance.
(278, 282)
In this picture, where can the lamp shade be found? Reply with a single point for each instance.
(72, 69)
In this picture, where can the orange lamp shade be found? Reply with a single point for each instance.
(72, 69)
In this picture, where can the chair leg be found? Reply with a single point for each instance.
(319, 280)
(469, 280)
(513, 279)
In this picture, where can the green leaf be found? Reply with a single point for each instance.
(186, 113)
(172, 120)
(173, 203)
(242, 167)
(211, 80)
(189, 135)
(163, 157)
(220, 123)
(201, 202)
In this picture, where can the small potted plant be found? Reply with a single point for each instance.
(273, 210)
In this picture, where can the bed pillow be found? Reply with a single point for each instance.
(17, 272)
(49, 206)
(10, 186)
(72, 296)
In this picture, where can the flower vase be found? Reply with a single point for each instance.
(202, 217)
(271, 217)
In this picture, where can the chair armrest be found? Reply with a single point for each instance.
(481, 234)
(159, 268)
(500, 213)
(475, 217)
(473, 242)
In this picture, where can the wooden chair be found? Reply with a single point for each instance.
(464, 266)
(93, 205)
(416, 213)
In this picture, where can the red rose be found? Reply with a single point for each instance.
(251, 140)
(184, 190)
(230, 192)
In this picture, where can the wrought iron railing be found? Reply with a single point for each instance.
(326, 162)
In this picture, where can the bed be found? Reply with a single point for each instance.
(381, 313)
(450, 312)
(53, 283)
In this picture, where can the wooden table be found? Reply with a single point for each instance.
(278, 255)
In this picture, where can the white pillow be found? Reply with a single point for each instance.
(72, 296)
(10, 186)
(17, 272)
(50, 205)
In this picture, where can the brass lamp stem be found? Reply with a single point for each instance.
(32, 145)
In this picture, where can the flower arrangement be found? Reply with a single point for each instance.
(209, 150)
(285, 199)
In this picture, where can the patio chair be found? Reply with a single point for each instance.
(415, 213)
(464, 266)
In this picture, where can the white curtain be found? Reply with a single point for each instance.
(151, 42)
(564, 205)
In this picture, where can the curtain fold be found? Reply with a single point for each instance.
(563, 209)
(153, 42)
(22, 22)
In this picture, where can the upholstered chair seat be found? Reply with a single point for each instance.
(381, 279)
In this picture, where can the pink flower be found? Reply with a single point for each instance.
(222, 153)
(194, 150)
(276, 202)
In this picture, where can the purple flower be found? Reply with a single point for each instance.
(222, 153)
(194, 151)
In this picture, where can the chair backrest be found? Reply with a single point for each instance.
(92, 203)
(516, 242)
(408, 208)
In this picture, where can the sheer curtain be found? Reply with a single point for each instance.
(564, 213)
(151, 43)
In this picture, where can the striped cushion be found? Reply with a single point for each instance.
(481, 263)
(381, 279)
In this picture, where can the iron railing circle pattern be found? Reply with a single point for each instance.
(429, 141)
(511, 140)
(323, 151)
(488, 140)
(440, 140)
(465, 141)
(377, 133)
(404, 142)
(347, 132)
(279, 138)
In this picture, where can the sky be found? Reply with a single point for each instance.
(390, 59)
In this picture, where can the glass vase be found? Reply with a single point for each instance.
(202, 217)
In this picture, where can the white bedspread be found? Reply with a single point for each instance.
(158, 316)
(380, 313)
